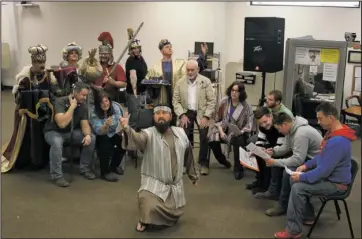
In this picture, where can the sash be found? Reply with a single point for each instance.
(36, 104)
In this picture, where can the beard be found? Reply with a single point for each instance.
(163, 127)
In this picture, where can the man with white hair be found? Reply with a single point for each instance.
(171, 70)
(166, 150)
(194, 102)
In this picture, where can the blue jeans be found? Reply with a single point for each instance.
(299, 206)
(56, 140)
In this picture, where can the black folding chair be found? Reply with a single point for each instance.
(324, 200)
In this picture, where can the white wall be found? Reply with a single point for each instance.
(55, 24)
(323, 23)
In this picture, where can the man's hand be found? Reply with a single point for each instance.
(86, 140)
(301, 168)
(295, 176)
(73, 101)
(269, 151)
(223, 136)
(108, 80)
(123, 121)
(270, 162)
(184, 121)
(204, 122)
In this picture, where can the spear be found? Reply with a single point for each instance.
(125, 49)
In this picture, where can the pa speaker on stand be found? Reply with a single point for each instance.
(263, 47)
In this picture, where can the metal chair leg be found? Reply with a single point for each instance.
(338, 210)
(316, 219)
(348, 218)
(71, 163)
(136, 159)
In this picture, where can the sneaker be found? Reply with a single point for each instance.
(89, 175)
(275, 211)
(266, 195)
(110, 177)
(204, 170)
(286, 235)
(61, 182)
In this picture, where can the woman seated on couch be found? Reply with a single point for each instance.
(104, 121)
(234, 122)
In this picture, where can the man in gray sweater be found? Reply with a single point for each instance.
(303, 140)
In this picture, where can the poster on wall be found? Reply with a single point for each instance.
(330, 56)
(330, 72)
(308, 56)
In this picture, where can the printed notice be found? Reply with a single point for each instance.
(357, 84)
(307, 56)
(330, 56)
(247, 160)
(313, 70)
(330, 72)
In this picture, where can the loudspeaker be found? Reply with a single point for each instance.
(264, 44)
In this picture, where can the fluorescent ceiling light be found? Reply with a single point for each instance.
(310, 4)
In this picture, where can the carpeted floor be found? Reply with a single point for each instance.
(32, 207)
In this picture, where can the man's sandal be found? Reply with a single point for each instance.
(143, 226)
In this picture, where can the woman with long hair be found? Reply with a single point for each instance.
(234, 122)
(104, 120)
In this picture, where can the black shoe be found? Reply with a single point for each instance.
(252, 185)
(238, 174)
(258, 190)
(110, 177)
(226, 163)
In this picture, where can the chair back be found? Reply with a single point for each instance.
(354, 171)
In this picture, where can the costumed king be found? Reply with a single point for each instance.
(171, 70)
(27, 147)
(109, 81)
(68, 74)
(161, 196)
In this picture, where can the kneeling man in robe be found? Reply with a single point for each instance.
(166, 150)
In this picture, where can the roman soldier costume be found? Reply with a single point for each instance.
(32, 92)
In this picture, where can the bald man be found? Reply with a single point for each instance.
(194, 102)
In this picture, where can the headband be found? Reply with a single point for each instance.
(163, 108)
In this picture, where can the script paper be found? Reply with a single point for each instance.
(257, 151)
(248, 161)
(288, 171)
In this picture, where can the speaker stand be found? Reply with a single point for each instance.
(262, 98)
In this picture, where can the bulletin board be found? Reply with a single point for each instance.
(356, 81)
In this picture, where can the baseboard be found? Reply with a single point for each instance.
(6, 87)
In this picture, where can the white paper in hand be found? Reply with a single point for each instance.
(257, 151)
(288, 171)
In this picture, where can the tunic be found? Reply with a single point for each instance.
(161, 203)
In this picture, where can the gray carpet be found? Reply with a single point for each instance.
(219, 206)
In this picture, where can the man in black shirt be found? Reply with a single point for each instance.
(268, 137)
(136, 67)
(70, 111)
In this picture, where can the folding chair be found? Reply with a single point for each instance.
(324, 200)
